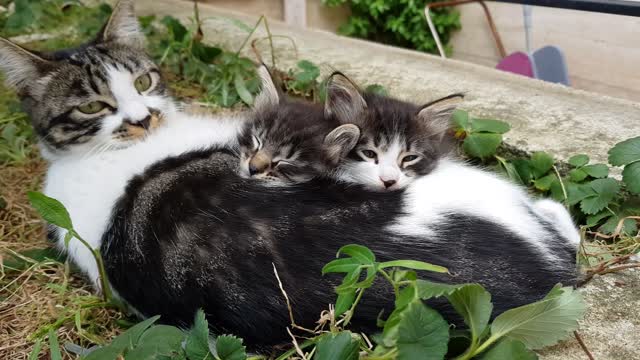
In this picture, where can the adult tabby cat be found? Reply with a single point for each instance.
(179, 229)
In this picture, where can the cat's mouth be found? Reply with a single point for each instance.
(130, 132)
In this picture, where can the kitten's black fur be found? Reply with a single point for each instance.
(190, 233)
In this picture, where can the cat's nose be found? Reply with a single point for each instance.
(252, 170)
(388, 183)
(144, 123)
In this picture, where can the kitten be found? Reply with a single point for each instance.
(107, 94)
(282, 141)
(390, 142)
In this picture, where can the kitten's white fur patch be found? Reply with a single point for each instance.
(455, 188)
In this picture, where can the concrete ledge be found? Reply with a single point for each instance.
(544, 116)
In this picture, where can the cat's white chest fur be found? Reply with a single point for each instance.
(89, 186)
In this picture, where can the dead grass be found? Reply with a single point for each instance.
(44, 294)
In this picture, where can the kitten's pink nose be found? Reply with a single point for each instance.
(388, 183)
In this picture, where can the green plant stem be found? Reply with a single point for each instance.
(352, 309)
(564, 190)
(246, 40)
(471, 353)
(396, 289)
(290, 352)
(104, 284)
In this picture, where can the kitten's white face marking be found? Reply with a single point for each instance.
(382, 168)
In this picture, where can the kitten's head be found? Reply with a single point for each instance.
(282, 140)
(103, 95)
(384, 143)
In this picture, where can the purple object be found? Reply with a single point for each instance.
(517, 63)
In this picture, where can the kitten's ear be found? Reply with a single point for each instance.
(20, 66)
(269, 96)
(344, 100)
(339, 142)
(123, 26)
(436, 115)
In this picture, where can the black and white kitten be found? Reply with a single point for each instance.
(282, 140)
(395, 141)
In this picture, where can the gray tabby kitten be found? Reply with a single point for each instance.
(282, 140)
(107, 94)
(390, 143)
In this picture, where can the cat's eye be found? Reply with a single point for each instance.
(143, 82)
(369, 154)
(91, 108)
(409, 158)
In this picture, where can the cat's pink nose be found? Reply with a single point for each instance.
(388, 183)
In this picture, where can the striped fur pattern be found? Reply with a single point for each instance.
(398, 141)
(282, 141)
(89, 99)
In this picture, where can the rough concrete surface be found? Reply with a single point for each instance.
(544, 116)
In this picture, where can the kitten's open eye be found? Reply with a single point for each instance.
(143, 82)
(91, 108)
(369, 154)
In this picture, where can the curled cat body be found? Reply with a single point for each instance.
(179, 228)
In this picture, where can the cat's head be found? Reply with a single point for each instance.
(106, 94)
(384, 143)
(282, 141)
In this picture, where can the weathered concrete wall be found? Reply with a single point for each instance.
(544, 116)
(561, 120)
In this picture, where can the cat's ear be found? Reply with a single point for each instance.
(269, 96)
(344, 99)
(436, 115)
(21, 67)
(123, 26)
(339, 142)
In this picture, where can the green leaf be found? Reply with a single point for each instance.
(197, 346)
(631, 177)
(629, 226)
(14, 262)
(626, 152)
(413, 264)
(544, 183)
(33, 355)
(343, 345)
(358, 252)
(578, 192)
(593, 220)
(579, 160)
(178, 31)
(490, 126)
(50, 209)
(511, 170)
(473, 302)
(542, 323)
(597, 170)
(422, 333)
(158, 340)
(241, 89)
(541, 163)
(344, 301)
(428, 289)
(509, 349)
(605, 191)
(54, 347)
(577, 175)
(342, 265)
(524, 170)
(126, 340)
(230, 347)
(377, 89)
(460, 118)
(481, 145)
(204, 52)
